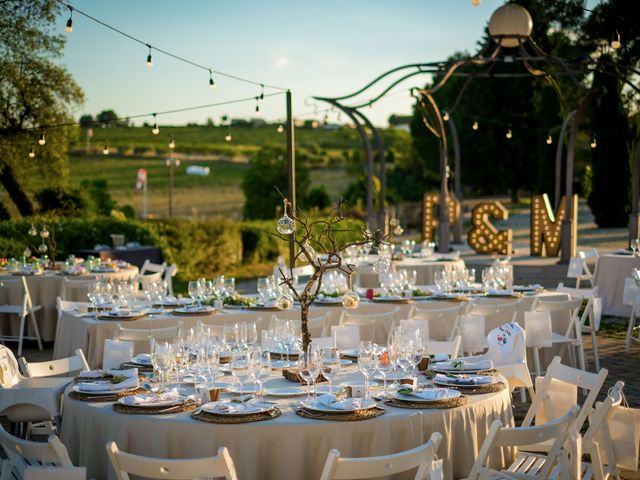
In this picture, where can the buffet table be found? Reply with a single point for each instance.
(44, 290)
(287, 447)
(611, 271)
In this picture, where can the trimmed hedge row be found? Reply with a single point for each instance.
(199, 247)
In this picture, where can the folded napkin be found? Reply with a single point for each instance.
(439, 357)
(466, 365)
(330, 401)
(142, 359)
(429, 394)
(129, 372)
(131, 381)
(170, 396)
(464, 380)
(226, 408)
(493, 291)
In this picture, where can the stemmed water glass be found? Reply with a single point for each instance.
(162, 359)
(230, 337)
(366, 364)
(241, 367)
(309, 365)
(194, 291)
(384, 365)
(261, 361)
(331, 365)
(264, 286)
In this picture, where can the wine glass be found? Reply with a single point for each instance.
(163, 360)
(263, 289)
(241, 367)
(309, 366)
(366, 364)
(194, 291)
(331, 366)
(384, 365)
(212, 356)
(249, 333)
(230, 337)
(412, 278)
(262, 368)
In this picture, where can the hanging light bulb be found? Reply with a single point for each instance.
(280, 128)
(42, 140)
(257, 104)
(156, 129)
(285, 224)
(44, 233)
(227, 137)
(172, 143)
(149, 58)
(549, 140)
(475, 3)
(69, 27)
(615, 41)
(212, 84)
(445, 117)
(594, 144)
(509, 134)
(32, 152)
(33, 231)
(475, 125)
(105, 150)
(261, 97)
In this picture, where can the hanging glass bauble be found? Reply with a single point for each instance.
(44, 233)
(33, 231)
(310, 251)
(26, 252)
(42, 248)
(350, 299)
(285, 225)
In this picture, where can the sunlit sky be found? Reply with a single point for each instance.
(326, 48)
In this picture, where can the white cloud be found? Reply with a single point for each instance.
(281, 62)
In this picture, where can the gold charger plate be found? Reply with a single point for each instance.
(341, 417)
(231, 419)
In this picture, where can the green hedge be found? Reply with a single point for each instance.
(200, 248)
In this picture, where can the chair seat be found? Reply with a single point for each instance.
(16, 309)
(558, 338)
(528, 464)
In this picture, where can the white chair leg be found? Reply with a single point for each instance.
(632, 321)
(594, 345)
(21, 333)
(523, 395)
(34, 323)
(536, 358)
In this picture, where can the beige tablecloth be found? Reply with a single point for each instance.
(285, 448)
(611, 270)
(425, 270)
(44, 290)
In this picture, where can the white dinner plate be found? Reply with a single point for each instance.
(249, 389)
(431, 394)
(194, 310)
(250, 408)
(285, 391)
(102, 392)
(324, 388)
(161, 403)
(391, 376)
(365, 404)
(451, 382)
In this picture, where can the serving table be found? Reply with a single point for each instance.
(286, 447)
(611, 271)
(44, 290)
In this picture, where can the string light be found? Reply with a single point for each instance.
(149, 58)
(105, 150)
(69, 27)
(212, 84)
(509, 134)
(615, 41)
(594, 144)
(32, 152)
(227, 137)
(445, 117)
(280, 128)
(549, 140)
(257, 104)
(172, 143)
(42, 140)
(261, 97)
(475, 3)
(475, 125)
(156, 129)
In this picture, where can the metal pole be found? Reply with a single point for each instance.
(457, 228)
(381, 153)
(635, 196)
(565, 124)
(291, 166)
(145, 211)
(170, 183)
(568, 241)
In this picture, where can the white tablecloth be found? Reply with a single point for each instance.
(44, 290)
(611, 270)
(285, 448)
(425, 270)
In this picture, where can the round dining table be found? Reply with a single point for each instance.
(44, 289)
(425, 269)
(288, 447)
(610, 274)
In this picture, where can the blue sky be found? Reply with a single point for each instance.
(328, 47)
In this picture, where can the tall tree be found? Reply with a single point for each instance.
(35, 91)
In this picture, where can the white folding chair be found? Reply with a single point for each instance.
(472, 333)
(444, 347)
(55, 368)
(145, 281)
(220, 466)
(558, 389)
(527, 465)
(169, 273)
(55, 473)
(373, 326)
(142, 336)
(443, 322)
(149, 266)
(22, 454)
(411, 326)
(420, 458)
(495, 314)
(631, 296)
(76, 289)
(346, 336)
(22, 310)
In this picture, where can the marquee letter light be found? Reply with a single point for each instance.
(430, 203)
(483, 236)
(546, 228)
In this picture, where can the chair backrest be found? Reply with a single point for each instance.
(75, 289)
(572, 376)
(556, 431)
(24, 453)
(54, 368)
(318, 324)
(346, 336)
(410, 326)
(507, 345)
(443, 322)
(169, 273)
(446, 347)
(336, 467)
(148, 278)
(142, 336)
(149, 266)
(373, 326)
(538, 328)
(62, 305)
(472, 328)
(210, 467)
(494, 314)
(563, 312)
(18, 292)
(9, 371)
(55, 473)
(577, 292)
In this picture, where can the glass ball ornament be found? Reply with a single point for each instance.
(42, 248)
(350, 299)
(33, 231)
(285, 225)
(381, 266)
(26, 252)
(285, 301)
(398, 230)
(44, 233)
(312, 253)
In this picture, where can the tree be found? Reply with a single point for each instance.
(107, 118)
(35, 91)
(86, 120)
(267, 170)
